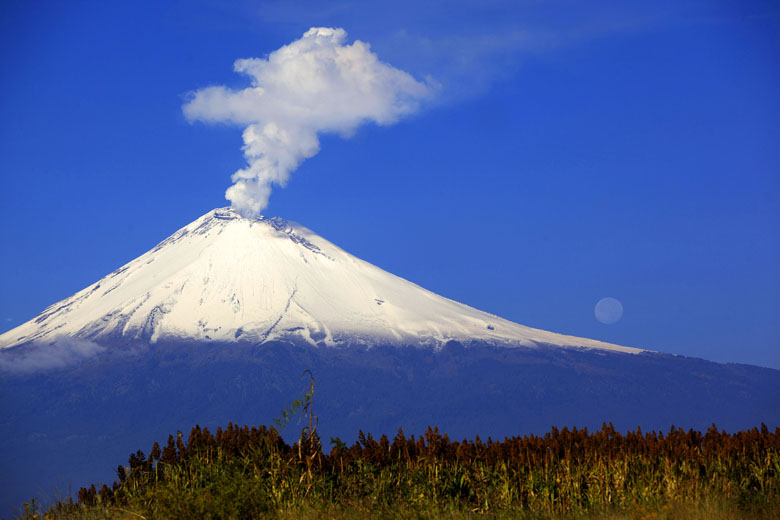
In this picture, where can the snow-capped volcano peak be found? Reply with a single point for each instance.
(228, 278)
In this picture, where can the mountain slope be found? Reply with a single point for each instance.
(227, 278)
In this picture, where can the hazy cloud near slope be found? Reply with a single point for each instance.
(313, 85)
(63, 352)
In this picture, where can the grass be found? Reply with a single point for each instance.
(252, 473)
(671, 511)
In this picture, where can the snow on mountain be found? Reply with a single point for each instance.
(227, 278)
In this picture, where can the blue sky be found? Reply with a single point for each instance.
(629, 150)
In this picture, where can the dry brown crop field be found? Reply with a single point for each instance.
(243, 472)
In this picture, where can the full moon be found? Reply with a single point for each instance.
(608, 310)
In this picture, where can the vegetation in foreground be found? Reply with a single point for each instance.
(243, 472)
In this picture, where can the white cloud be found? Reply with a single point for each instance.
(62, 352)
(470, 45)
(313, 85)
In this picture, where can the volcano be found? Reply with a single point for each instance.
(225, 278)
(218, 322)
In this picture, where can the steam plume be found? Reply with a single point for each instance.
(315, 84)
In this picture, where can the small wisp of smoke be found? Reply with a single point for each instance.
(314, 85)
